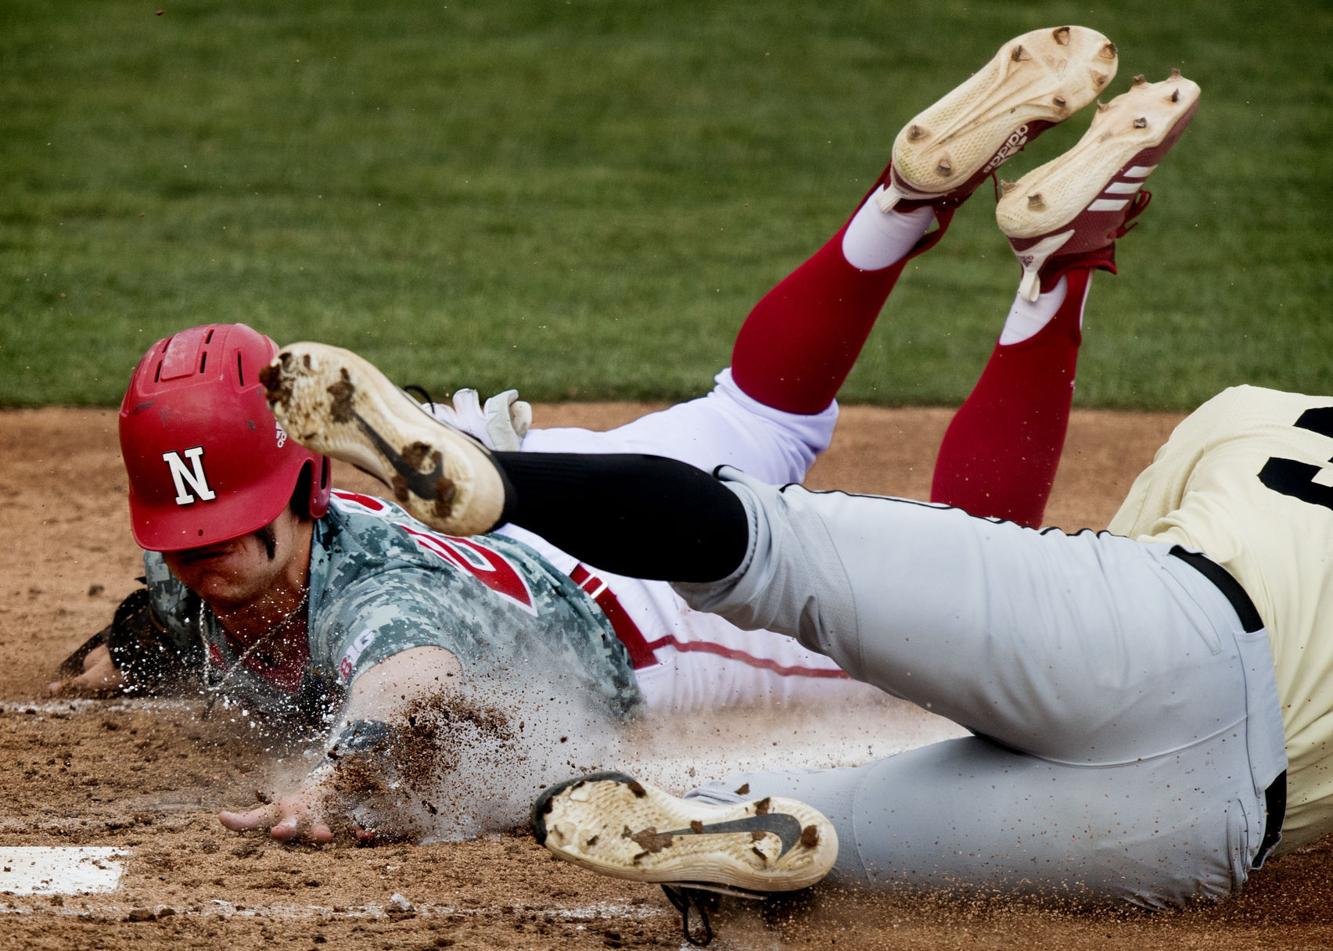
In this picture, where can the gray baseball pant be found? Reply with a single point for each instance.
(1126, 724)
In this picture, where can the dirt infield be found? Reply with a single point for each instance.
(148, 778)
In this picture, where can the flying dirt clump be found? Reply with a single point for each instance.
(406, 785)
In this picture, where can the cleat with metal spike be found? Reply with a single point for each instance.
(1032, 83)
(332, 401)
(1070, 211)
(625, 828)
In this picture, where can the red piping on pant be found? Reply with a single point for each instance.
(643, 653)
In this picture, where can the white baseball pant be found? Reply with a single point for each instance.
(1127, 726)
(703, 661)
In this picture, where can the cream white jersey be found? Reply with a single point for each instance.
(1247, 479)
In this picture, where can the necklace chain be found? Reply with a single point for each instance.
(214, 691)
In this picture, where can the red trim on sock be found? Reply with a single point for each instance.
(1000, 453)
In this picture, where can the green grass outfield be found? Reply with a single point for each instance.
(583, 199)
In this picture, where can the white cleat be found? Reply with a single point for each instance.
(613, 824)
(334, 402)
(1077, 205)
(1035, 81)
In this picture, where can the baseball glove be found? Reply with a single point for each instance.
(143, 650)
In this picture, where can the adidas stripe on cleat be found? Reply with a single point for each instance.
(1072, 209)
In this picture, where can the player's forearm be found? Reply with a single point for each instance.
(391, 686)
(375, 706)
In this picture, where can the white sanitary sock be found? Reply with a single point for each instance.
(1027, 318)
(874, 240)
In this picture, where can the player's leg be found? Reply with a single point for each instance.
(802, 339)
(1000, 453)
(960, 815)
(772, 412)
(1041, 640)
(1128, 700)
(726, 427)
(1029, 637)
(1129, 704)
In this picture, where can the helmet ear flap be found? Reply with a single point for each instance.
(321, 485)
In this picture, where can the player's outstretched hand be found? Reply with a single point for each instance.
(289, 819)
(301, 816)
(99, 676)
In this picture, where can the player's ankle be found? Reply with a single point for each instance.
(874, 239)
(1028, 318)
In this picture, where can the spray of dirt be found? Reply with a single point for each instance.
(470, 761)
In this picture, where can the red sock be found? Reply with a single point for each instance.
(1000, 452)
(799, 343)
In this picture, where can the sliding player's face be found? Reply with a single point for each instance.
(241, 570)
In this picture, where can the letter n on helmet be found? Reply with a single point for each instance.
(206, 460)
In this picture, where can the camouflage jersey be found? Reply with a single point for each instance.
(382, 582)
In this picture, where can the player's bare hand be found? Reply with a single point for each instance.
(99, 676)
(289, 819)
(299, 816)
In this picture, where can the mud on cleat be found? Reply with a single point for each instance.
(1035, 81)
(1069, 212)
(616, 825)
(334, 402)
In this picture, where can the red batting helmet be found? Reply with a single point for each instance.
(207, 461)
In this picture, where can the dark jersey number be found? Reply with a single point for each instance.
(1297, 479)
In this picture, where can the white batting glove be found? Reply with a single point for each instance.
(499, 425)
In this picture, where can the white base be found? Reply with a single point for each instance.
(48, 870)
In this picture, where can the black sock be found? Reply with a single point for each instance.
(636, 515)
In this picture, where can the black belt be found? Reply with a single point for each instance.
(1229, 586)
(1275, 796)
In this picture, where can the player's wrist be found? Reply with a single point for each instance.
(356, 737)
(353, 739)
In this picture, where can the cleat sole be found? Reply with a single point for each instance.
(1124, 135)
(1039, 77)
(615, 825)
(334, 402)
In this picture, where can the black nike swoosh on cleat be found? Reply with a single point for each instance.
(422, 484)
(785, 827)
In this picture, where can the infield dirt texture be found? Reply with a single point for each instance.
(582, 200)
(150, 780)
